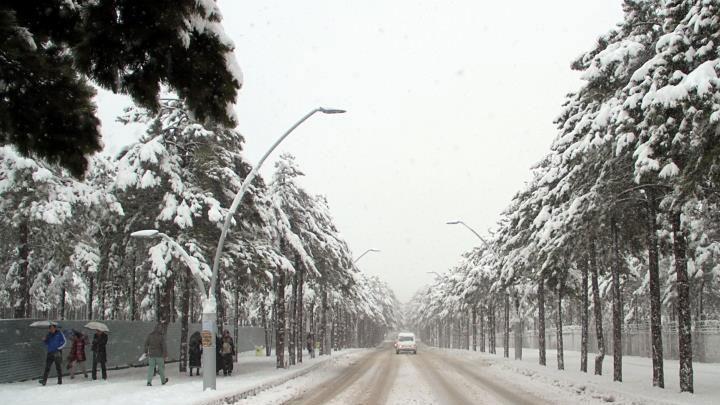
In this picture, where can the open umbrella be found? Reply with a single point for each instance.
(43, 324)
(94, 325)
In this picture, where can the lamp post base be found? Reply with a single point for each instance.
(209, 366)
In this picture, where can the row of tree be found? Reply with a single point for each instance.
(66, 243)
(621, 214)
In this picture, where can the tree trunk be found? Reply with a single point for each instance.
(236, 317)
(482, 328)
(164, 315)
(617, 306)
(474, 327)
(584, 314)
(518, 331)
(184, 319)
(266, 328)
(220, 305)
(63, 293)
(280, 320)
(131, 293)
(292, 328)
(91, 292)
(324, 346)
(541, 320)
(597, 309)
(684, 313)
(300, 315)
(22, 309)
(655, 308)
(311, 317)
(491, 328)
(559, 323)
(506, 326)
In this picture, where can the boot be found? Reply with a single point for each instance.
(42, 382)
(166, 380)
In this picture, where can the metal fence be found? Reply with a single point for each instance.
(636, 340)
(22, 353)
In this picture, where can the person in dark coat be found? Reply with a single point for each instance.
(195, 353)
(227, 350)
(218, 355)
(99, 349)
(54, 342)
(77, 353)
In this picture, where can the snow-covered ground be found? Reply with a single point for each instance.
(126, 387)
(434, 376)
(635, 388)
(472, 377)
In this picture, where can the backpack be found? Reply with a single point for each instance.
(226, 347)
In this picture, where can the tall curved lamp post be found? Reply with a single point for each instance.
(487, 245)
(209, 315)
(209, 302)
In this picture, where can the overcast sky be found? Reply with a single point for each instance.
(449, 104)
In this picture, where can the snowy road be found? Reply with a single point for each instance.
(430, 377)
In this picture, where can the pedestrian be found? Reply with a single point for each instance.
(195, 353)
(156, 351)
(77, 353)
(309, 345)
(99, 349)
(218, 354)
(228, 351)
(54, 342)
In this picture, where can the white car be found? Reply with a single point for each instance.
(405, 343)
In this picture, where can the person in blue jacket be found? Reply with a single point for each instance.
(54, 341)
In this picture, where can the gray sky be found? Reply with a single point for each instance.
(449, 104)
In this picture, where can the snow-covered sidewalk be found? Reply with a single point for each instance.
(635, 388)
(126, 387)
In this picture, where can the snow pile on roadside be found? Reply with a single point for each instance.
(636, 388)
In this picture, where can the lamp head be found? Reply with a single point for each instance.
(453, 222)
(145, 234)
(331, 110)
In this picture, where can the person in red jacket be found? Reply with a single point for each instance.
(77, 353)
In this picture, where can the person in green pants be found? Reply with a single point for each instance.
(156, 351)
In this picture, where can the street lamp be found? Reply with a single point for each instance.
(364, 253)
(209, 315)
(487, 245)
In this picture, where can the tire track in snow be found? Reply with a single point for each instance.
(383, 379)
(503, 390)
(337, 385)
(446, 392)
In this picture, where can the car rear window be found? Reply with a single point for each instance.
(406, 338)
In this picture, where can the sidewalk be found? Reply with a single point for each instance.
(127, 386)
(635, 388)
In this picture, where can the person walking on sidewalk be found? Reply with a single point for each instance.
(77, 353)
(99, 349)
(228, 351)
(156, 351)
(54, 342)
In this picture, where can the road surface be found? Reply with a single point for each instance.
(430, 377)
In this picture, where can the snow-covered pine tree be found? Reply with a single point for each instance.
(54, 49)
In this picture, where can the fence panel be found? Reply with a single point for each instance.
(22, 353)
(636, 341)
